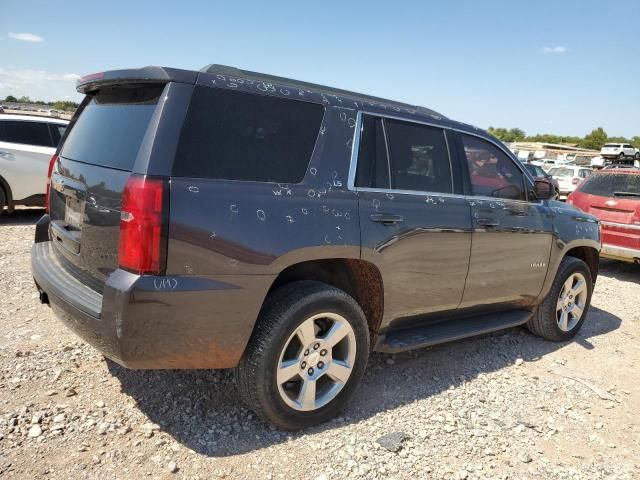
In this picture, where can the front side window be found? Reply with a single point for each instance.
(242, 136)
(492, 172)
(25, 132)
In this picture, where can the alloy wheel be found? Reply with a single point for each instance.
(316, 361)
(571, 302)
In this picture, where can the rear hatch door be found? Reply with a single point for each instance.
(88, 178)
(614, 198)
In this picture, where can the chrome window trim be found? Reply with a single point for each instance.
(386, 147)
(353, 163)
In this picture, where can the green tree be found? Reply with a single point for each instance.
(10, 98)
(595, 139)
(24, 99)
(513, 135)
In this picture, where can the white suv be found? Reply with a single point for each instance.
(619, 151)
(26, 145)
(568, 177)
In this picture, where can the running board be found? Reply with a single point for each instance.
(448, 331)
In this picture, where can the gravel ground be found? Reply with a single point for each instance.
(502, 406)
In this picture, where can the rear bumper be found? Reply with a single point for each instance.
(148, 322)
(620, 253)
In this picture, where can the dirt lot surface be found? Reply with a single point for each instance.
(501, 406)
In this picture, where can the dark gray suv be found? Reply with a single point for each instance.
(230, 219)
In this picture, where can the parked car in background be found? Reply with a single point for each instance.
(231, 219)
(568, 177)
(538, 173)
(619, 151)
(613, 196)
(27, 143)
(615, 166)
(1, 108)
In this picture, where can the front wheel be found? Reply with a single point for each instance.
(561, 315)
(306, 356)
(621, 156)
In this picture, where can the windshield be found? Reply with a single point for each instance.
(610, 184)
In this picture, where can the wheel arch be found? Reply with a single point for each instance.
(7, 193)
(360, 279)
(588, 255)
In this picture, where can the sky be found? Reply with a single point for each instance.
(561, 66)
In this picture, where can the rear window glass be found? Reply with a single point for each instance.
(610, 184)
(242, 136)
(561, 172)
(25, 132)
(611, 145)
(110, 129)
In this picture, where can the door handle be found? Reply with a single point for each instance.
(386, 218)
(488, 222)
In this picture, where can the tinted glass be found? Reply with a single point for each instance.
(373, 167)
(608, 184)
(110, 129)
(57, 131)
(242, 136)
(535, 170)
(419, 157)
(493, 173)
(25, 132)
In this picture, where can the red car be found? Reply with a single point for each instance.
(614, 197)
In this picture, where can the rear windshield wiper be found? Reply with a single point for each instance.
(626, 194)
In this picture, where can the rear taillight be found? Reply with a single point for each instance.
(52, 163)
(141, 224)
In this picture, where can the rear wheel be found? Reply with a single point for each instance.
(3, 200)
(306, 356)
(562, 313)
(621, 156)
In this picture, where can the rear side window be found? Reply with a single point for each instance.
(242, 136)
(418, 157)
(110, 129)
(25, 132)
(373, 165)
(609, 184)
(57, 131)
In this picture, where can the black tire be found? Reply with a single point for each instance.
(637, 155)
(544, 322)
(284, 310)
(621, 156)
(3, 200)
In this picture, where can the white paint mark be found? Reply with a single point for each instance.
(193, 189)
(261, 215)
(234, 208)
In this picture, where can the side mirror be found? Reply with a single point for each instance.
(544, 189)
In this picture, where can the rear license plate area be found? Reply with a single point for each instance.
(73, 213)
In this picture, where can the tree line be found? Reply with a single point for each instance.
(63, 105)
(594, 140)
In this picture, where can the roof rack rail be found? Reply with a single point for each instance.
(228, 70)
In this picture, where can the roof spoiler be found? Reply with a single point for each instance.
(92, 82)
